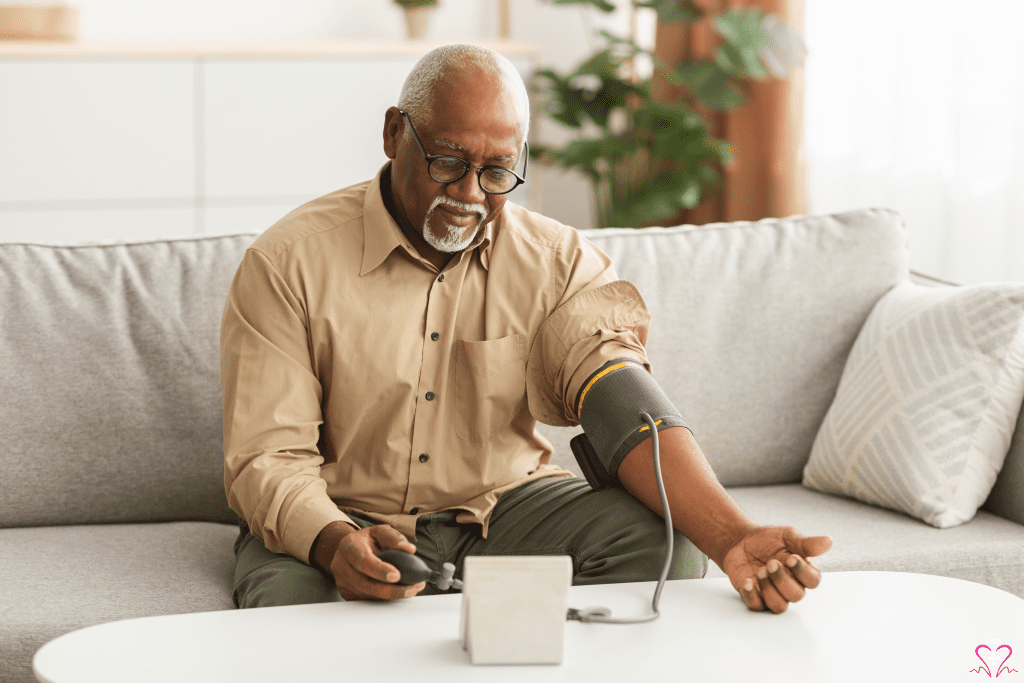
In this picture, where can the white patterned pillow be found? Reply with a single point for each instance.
(927, 402)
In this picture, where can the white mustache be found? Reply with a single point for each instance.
(478, 209)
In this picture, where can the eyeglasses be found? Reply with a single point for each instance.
(447, 169)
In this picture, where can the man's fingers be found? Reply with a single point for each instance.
(364, 562)
(361, 553)
(769, 593)
(362, 584)
(388, 537)
(812, 546)
(748, 592)
(361, 587)
(784, 582)
(804, 571)
(360, 574)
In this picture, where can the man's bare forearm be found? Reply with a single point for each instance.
(701, 509)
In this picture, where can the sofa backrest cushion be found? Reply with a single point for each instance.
(109, 358)
(752, 322)
(112, 408)
(1006, 499)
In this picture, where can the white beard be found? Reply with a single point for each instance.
(456, 237)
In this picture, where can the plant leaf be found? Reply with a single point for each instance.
(707, 175)
(746, 37)
(656, 200)
(587, 152)
(670, 130)
(692, 72)
(743, 27)
(720, 92)
(601, 63)
(787, 49)
(561, 101)
(723, 149)
(741, 62)
(673, 11)
(602, 5)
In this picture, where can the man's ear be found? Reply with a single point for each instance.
(394, 124)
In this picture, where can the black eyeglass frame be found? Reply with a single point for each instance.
(465, 164)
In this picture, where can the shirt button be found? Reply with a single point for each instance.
(424, 457)
(440, 278)
(430, 395)
(434, 336)
(414, 511)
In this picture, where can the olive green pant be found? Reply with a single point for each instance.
(610, 536)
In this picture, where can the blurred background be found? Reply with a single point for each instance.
(149, 118)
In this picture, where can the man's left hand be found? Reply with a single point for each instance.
(770, 566)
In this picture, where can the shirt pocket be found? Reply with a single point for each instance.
(490, 385)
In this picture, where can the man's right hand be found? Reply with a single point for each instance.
(350, 556)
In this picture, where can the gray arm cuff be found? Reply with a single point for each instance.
(610, 404)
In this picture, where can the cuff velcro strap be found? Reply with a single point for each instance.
(609, 407)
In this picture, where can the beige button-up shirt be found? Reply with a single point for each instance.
(357, 378)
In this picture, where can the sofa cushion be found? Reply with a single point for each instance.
(988, 549)
(751, 324)
(112, 400)
(927, 403)
(1006, 499)
(58, 579)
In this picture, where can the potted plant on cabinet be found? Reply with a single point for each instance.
(417, 16)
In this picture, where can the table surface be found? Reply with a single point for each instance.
(855, 626)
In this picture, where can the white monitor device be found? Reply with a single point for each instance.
(514, 609)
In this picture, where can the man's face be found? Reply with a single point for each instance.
(475, 119)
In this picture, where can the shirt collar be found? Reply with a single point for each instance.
(381, 234)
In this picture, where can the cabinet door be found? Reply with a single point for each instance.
(96, 226)
(96, 129)
(295, 128)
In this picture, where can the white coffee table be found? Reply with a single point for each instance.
(857, 626)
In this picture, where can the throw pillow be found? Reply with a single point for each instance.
(927, 402)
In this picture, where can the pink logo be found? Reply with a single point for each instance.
(994, 656)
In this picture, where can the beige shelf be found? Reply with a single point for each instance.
(378, 48)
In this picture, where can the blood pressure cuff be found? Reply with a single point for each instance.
(609, 406)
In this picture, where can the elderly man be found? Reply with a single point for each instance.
(388, 349)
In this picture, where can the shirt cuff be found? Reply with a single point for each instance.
(306, 523)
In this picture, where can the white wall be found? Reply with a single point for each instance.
(923, 112)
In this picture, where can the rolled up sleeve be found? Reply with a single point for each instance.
(601, 319)
(272, 412)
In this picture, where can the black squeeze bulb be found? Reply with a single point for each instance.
(413, 569)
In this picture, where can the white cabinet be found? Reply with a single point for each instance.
(96, 130)
(295, 127)
(77, 225)
(101, 145)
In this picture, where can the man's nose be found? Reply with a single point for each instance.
(467, 189)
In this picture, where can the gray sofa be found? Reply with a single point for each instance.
(112, 503)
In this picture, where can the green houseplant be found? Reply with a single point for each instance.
(647, 160)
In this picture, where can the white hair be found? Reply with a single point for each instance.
(442, 63)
